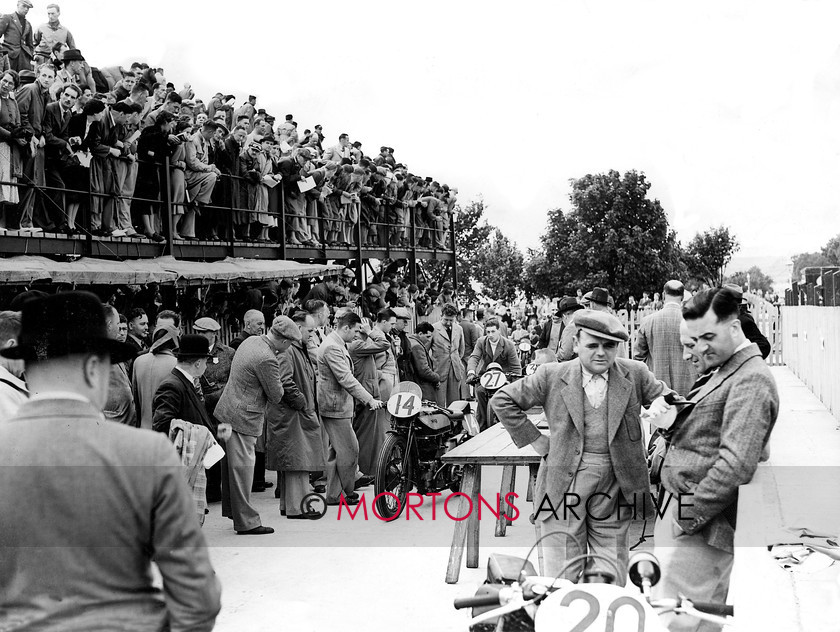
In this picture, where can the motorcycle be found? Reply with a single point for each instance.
(516, 598)
(492, 380)
(421, 433)
(524, 351)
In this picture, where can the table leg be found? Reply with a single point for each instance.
(532, 480)
(538, 532)
(474, 524)
(508, 481)
(510, 491)
(456, 553)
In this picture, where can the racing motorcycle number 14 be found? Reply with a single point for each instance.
(404, 405)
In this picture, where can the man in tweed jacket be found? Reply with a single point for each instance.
(714, 450)
(658, 342)
(594, 480)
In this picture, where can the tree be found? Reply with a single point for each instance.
(614, 237)
(831, 251)
(808, 260)
(498, 266)
(754, 279)
(708, 254)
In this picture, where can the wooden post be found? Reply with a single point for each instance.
(474, 524)
(508, 482)
(456, 552)
(167, 206)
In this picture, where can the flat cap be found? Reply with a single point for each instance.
(401, 312)
(206, 324)
(284, 327)
(601, 325)
(27, 3)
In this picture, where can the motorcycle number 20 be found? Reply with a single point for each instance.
(403, 405)
(596, 608)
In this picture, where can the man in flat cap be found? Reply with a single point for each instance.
(593, 480)
(254, 382)
(558, 334)
(89, 505)
(18, 42)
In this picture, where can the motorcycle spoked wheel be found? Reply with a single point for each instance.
(391, 478)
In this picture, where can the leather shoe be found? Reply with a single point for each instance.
(257, 487)
(363, 481)
(261, 530)
(352, 499)
(307, 515)
(320, 489)
(267, 484)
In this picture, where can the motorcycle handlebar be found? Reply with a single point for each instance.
(720, 609)
(477, 601)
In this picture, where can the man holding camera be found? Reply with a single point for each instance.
(490, 348)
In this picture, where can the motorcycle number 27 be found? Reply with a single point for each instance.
(493, 380)
(403, 405)
(596, 608)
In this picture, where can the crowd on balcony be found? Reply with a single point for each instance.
(111, 150)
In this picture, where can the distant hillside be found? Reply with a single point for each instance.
(778, 268)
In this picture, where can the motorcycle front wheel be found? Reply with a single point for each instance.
(393, 477)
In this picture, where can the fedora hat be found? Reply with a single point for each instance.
(193, 346)
(63, 324)
(598, 295)
(567, 304)
(72, 54)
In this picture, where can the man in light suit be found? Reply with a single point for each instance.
(715, 447)
(254, 382)
(89, 505)
(658, 342)
(488, 349)
(594, 480)
(336, 389)
(447, 351)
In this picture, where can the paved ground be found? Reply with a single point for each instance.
(363, 575)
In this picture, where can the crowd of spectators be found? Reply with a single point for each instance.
(86, 149)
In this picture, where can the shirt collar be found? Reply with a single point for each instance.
(189, 377)
(7, 375)
(587, 376)
(60, 395)
(743, 345)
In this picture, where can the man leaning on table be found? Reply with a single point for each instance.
(594, 480)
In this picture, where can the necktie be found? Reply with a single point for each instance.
(198, 389)
(595, 390)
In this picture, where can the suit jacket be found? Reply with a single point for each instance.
(17, 36)
(505, 355)
(254, 382)
(658, 344)
(116, 499)
(558, 388)
(337, 388)
(55, 131)
(545, 334)
(472, 333)
(446, 352)
(32, 102)
(719, 445)
(216, 376)
(420, 369)
(147, 373)
(120, 404)
(176, 398)
(363, 353)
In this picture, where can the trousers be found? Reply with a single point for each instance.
(689, 567)
(240, 466)
(343, 458)
(592, 526)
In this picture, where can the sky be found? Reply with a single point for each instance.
(732, 109)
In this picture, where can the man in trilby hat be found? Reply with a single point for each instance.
(89, 505)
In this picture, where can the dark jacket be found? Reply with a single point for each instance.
(55, 131)
(32, 102)
(176, 398)
(752, 333)
(420, 369)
